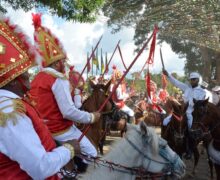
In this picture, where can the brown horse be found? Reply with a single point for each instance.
(112, 118)
(206, 128)
(144, 112)
(93, 103)
(175, 131)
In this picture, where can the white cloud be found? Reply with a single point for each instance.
(78, 39)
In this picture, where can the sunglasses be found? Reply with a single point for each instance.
(193, 79)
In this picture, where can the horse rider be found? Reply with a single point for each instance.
(190, 92)
(216, 95)
(27, 149)
(77, 83)
(119, 95)
(154, 99)
(50, 92)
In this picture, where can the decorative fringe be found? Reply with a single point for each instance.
(18, 108)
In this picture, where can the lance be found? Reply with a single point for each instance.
(107, 99)
(90, 57)
(161, 58)
(110, 59)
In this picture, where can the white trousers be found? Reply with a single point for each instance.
(85, 145)
(128, 110)
(167, 120)
(189, 120)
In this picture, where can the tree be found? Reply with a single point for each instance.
(76, 10)
(192, 25)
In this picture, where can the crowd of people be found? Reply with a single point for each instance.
(37, 130)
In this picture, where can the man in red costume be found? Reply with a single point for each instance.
(77, 84)
(27, 149)
(119, 95)
(50, 92)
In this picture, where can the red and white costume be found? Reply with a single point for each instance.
(77, 87)
(119, 95)
(27, 149)
(50, 93)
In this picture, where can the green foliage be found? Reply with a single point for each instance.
(188, 26)
(194, 20)
(76, 10)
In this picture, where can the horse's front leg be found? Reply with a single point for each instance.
(196, 158)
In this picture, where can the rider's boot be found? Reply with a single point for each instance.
(81, 166)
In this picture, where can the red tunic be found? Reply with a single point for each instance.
(9, 169)
(45, 102)
(119, 102)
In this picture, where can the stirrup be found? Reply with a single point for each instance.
(66, 174)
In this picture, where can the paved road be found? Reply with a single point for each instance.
(202, 171)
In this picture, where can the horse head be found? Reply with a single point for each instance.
(155, 155)
(206, 120)
(141, 153)
(94, 103)
(178, 122)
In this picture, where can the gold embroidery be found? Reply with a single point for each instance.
(56, 75)
(2, 48)
(18, 108)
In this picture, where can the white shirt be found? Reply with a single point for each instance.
(120, 95)
(77, 98)
(189, 93)
(21, 143)
(61, 91)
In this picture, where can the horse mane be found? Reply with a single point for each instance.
(151, 137)
(173, 104)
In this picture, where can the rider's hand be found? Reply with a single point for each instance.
(165, 72)
(96, 117)
(75, 145)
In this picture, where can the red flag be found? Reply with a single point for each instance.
(147, 79)
(150, 59)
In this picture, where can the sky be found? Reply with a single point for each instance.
(78, 39)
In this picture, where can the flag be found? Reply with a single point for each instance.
(95, 60)
(88, 63)
(102, 63)
(106, 63)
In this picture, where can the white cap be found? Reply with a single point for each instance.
(216, 88)
(194, 75)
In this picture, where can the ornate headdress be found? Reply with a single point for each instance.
(48, 45)
(116, 73)
(17, 55)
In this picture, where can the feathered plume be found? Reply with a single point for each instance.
(36, 18)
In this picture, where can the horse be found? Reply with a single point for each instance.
(144, 112)
(175, 131)
(140, 153)
(112, 117)
(206, 128)
(93, 102)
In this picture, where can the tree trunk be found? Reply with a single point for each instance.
(218, 68)
(206, 75)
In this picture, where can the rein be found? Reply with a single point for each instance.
(123, 169)
(144, 155)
